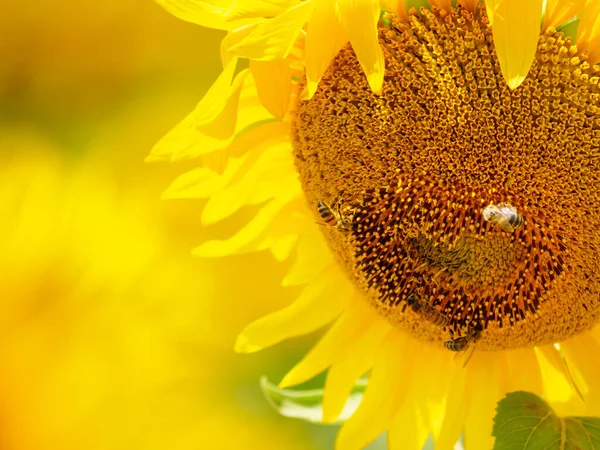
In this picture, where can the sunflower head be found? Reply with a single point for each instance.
(477, 198)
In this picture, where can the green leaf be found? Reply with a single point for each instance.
(526, 422)
(307, 404)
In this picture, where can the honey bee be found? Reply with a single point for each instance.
(504, 215)
(426, 311)
(332, 215)
(463, 343)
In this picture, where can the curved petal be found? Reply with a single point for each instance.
(524, 363)
(516, 29)
(274, 85)
(582, 352)
(560, 11)
(455, 409)
(272, 39)
(308, 313)
(360, 19)
(256, 181)
(346, 331)
(312, 257)
(588, 32)
(325, 37)
(209, 14)
(350, 367)
(389, 382)
(409, 429)
(485, 391)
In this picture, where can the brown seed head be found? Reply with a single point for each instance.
(417, 165)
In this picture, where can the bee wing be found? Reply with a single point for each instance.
(469, 355)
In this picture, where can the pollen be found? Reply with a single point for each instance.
(417, 165)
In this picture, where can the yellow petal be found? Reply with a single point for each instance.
(257, 180)
(485, 391)
(356, 362)
(272, 39)
(490, 7)
(210, 14)
(308, 313)
(516, 30)
(255, 235)
(455, 410)
(202, 182)
(312, 257)
(195, 136)
(588, 32)
(388, 381)
(431, 384)
(409, 429)
(274, 85)
(343, 334)
(549, 355)
(360, 19)
(325, 37)
(260, 8)
(525, 363)
(225, 14)
(219, 105)
(582, 354)
(561, 11)
(205, 181)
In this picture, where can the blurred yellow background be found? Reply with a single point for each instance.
(112, 335)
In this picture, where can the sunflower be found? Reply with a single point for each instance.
(449, 152)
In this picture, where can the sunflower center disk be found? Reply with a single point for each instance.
(467, 207)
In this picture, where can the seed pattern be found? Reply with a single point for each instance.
(447, 137)
(419, 235)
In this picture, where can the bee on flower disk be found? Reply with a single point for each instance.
(463, 343)
(332, 215)
(426, 311)
(504, 215)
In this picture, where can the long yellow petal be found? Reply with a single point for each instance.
(409, 429)
(274, 85)
(485, 391)
(308, 313)
(360, 19)
(258, 234)
(588, 32)
(456, 408)
(549, 355)
(273, 39)
(225, 14)
(210, 14)
(325, 37)
(525, 363)
(582, 353)
(260, 8)
(349, 328)
(560, 11)
(356, 362)
(218, 105)
(388, 381)
(256, 181)
(516, 29)
(312, 256)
